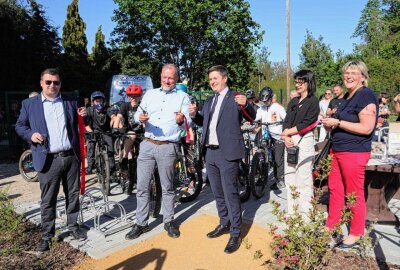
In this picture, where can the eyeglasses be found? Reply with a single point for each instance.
(328, 94)
(48, 82)
(299, 82)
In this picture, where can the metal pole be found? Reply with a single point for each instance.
(288, 70)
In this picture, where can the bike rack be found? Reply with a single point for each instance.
(89, 193)
(105, 209)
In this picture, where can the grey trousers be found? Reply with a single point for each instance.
(164, 156)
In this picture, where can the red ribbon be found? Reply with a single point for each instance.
(307, 129)
(244, 110)
(187, 131)
(81, 126)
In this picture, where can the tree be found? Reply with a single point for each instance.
(194, 35)
(74, 38)
(44, 43)
(378, 29)
(318, 57)
(28, 45)
(100, 53)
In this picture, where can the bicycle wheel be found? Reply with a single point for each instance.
(244, 185)
(155, 195)
(188, 186)
(26, 167)
(258, 175)
(117, 148)
(103, 172)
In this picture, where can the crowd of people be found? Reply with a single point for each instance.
(49, 122)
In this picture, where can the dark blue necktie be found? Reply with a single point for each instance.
(213, 106)
(211, 115)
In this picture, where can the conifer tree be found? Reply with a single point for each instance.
(74, 38)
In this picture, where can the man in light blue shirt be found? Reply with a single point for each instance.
(162, 111)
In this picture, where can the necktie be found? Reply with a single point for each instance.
(211, 116)
(214, 105)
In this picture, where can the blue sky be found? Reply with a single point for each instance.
(335, 20)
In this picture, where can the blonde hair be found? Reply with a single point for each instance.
(361, 66)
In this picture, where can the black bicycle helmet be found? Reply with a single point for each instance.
(266, 94)
(250, 94)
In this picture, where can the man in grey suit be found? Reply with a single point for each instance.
(223, 146)
(49, 122)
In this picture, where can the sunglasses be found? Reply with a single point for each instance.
(48, 82)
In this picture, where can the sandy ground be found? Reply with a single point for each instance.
(193, 250)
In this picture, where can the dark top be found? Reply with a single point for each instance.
(128, 112)
(301, 114)
(344, 141)
(335, 103)
(99, 121)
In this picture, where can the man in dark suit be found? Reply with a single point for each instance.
(223, 146)
(49, 122)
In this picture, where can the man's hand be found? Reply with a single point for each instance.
(82, 111)
(192, 110)
(179, 118)
(241, 100)
(37, 138)
(143, 118)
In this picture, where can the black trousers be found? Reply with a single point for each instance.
(279, 156)
(58, 170)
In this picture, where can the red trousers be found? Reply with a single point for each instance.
(347, 176)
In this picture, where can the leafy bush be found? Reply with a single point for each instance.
(10, 226)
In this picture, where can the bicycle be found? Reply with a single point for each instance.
(188, 181)
(25, 166)
(245, 164)
(263, 159)
(102, 162)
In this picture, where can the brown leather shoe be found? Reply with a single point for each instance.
(218, 231)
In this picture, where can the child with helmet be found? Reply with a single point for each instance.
(272, 112)
(125, 118)
(99, 118)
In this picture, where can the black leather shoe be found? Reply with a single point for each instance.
(344, 246)
(233, 244)
(43, 245)
(172, 229)
(77, 235)
(136, 231)
(218, 231)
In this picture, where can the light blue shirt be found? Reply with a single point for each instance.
(55, 120)
(161, 107)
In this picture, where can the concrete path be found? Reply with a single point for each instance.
(26, 197)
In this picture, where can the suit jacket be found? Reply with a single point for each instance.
(31, 120)
(230, 137)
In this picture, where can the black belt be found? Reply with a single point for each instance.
(212, 147)
(66, 153)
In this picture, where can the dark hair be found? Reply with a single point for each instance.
(383, 95)
(308, 77)
(221, 69)
(51, 71)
